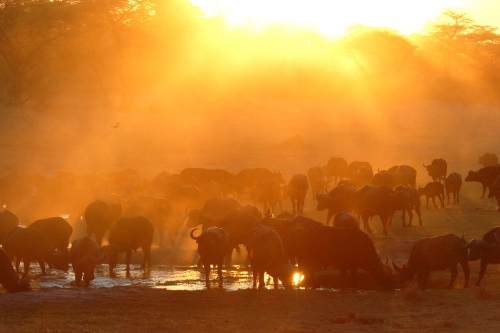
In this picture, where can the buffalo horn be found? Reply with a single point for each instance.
(192, 236)
(396, 267)
(463, 239)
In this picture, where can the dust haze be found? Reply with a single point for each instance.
(196, 93)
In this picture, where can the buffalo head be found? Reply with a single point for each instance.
(479, 247)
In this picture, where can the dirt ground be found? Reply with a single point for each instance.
(135, 309)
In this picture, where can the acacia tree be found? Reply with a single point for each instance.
(463, 50)
(28, 32)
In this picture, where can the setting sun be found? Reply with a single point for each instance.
(333, 18)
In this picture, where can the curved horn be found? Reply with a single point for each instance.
(463, 239)
(425, 166)
(192, 236)
(396, 267)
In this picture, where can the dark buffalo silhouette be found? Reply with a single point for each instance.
(127, 235)
(84, 255)
(488, 159)
(8, 276)
(452, 185)
(296, 190)
(437, 169)
(431, 191)
(100, 217)
(486, 176)
(266, 254)
(213, 246)
(487, 250)
(437, 253)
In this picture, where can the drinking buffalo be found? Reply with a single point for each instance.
(347, 249)
(213, 246)
(8, 276)
(84, 255)
(265, 252)
(432, 254)
(127, 235)
(487, 249)
(495, 191)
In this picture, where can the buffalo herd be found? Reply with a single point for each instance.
(230, 211)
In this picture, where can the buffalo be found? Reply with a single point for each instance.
(488, 159)
(431, 191)
(361, 173)
(268, 192)
(296, 190)
(317, 180)
(486, 176)
(8, 221)
(28, 244)
(8, 276)
(370, 201)
(413, 204)
(248, 178)
(452, 185)
(495, 191)
(100, 217)
(292, 232)
(212, 211)
(345, 219)
(266, 254)
(339, 199)
(437, 253)
(403, 175)
(347, 249)
(127, 235)
(84, 255)
(336, 167)
(487, 249)
(213, 246)
(56, 230)
(437, 169)
(237, 224)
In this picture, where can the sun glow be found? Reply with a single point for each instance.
(331, 18)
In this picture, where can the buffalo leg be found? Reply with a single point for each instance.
(422, 278)
(441, 199)
(410, 217)
(18, 262)
(434, 202)
(146, 262)
(482, 270)
(454, 273)
(40, 262)
(207, 275)
(219, 273)
(484, 191)
(466, 269)
(78, 277)
(366, 225)
(128, 256)
(255, 277)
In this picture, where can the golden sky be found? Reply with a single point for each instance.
(334, 17)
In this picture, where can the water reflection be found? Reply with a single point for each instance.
(160, 276)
